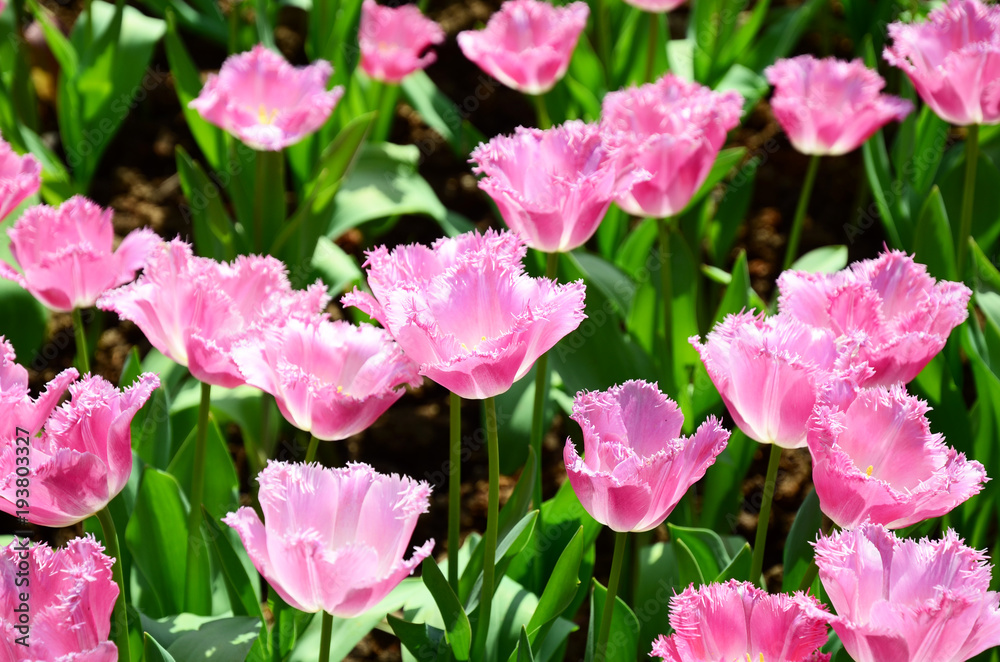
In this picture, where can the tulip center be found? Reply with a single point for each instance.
(750, 659)
(474, 347)
(266, 117)
(340, 389)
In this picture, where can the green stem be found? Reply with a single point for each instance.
(258, 208)
(602, 26)
(800, 211)
(542, 111)
(757, 562)
(82, 351)
(541, 397)
(971, 158)
(388, 97)
(120, 613)
(654, 38)
(313, 447)
(666, 276)
(325, 636)
(609, 600)
(197, 492)
(454, 490)
(490, 541)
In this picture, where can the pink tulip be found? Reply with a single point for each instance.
(16, 403)
(908, 601)
(828, 106)
(655, 6)
(333, 540)
(20, 177)
(552, 187)
(266, 102)
(466, 312)
(953, 60)
(896, 317)
(876, 460)
(71, 594)
(195, 310)
(83, 459)
(674, 130)
(736, 621)
(770, 371)
(67, 253)
(527, 45)
(636, 466)
(332, 379)
(395, 41)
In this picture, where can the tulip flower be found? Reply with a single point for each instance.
(20, 177)
(394, 41)
(332, 379)
(466, 312)
(737, 621)
(953, 60)
(906, 600)
(83, 458)
(266, 102)
(674, 130)
(876, 460)
(552, 187)
(527, 45)
(70, 599)
(829, 106)
(770, 371)
(333, 540)
(16, 402)
(67, 253)
(194, 309)
(893, 314)
(636, 466)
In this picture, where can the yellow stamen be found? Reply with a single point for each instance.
(340, 389)
(265, 117)
(871, 467)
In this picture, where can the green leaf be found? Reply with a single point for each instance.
(722, 494)
(523, 651)
(510, 546)
(221, 494)
(657, 578)
(724, 162)
(824, 260)
(932, 243)
(739, 567)
(337, 269)
(706, 547)
(239, 581)
(458, 632)
(212, 226)
(876, 159)
(23, 322)
(190, 637)
(985, 204)
(751, 85)
(562, 585)
(153, 652)
(798, 553)
(442, 114)
(156, 535)
(623, 643)
(687, 565)
(424, 642)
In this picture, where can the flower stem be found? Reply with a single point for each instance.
(542, 111)
(120, 610)
(325, 636)
(654, 38)
(388, 96)
(258, 209)
(757, 562)
(197, 492)
(454, 489)
(541, 398)
(800, 211)
(609, 600)
(82, 352)
(490, 542)
(603, 27)
(971, 158)
(666, 276)
(311, 450)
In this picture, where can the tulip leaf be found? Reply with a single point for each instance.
(458, 632)
(798, 552)
(443, 115)
(157, 537)
(932, 243)
(687, 565)
(985, 203)
(739, 567)
(218, 639)
(705, 545)
(154, 652)
(824, 260)
(562, 585)
(727, 159)
(722, 495)
(509, 547)
(523, 650)
(623, 643)
(337, 269)
(221, 482)
(23, 322)
(239, 580)
(425, 642)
